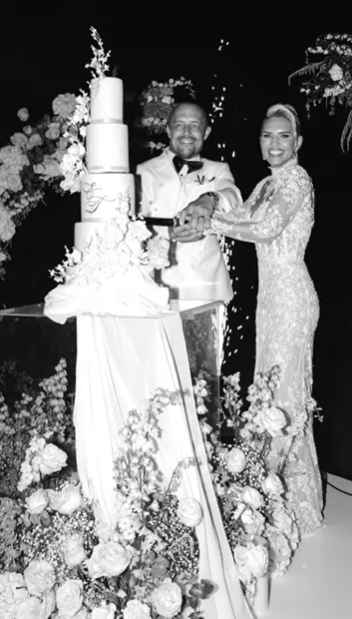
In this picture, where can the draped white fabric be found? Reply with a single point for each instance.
(121, 361)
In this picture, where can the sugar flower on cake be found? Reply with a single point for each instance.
(99, 63)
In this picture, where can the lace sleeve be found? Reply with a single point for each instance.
(282, 206)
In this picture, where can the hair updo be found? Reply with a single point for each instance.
(287, 111)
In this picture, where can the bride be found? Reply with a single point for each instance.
(278, 218)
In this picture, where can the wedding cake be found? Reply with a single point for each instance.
(109, 270)
(108, 183)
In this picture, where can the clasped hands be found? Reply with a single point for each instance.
(194, 220)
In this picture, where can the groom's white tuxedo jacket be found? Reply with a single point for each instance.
(197, 270)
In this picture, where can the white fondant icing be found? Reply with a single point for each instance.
(107, 148)
(102, 195)
(85, 231)
(107, 100)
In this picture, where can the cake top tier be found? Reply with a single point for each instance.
(107, 101)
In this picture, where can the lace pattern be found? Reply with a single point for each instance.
(278, 218)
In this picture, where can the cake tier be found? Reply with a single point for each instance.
(85, 231)
(107, 100)
(107, 147)
(103, 195)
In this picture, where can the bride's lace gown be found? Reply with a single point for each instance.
(278, 218)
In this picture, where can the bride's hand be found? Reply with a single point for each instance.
(198, 213)
(184, 234)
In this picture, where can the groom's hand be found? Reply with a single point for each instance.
(184, 233)
(198, 213)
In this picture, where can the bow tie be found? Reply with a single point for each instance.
(192, 165)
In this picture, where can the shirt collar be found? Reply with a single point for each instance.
(170, 155)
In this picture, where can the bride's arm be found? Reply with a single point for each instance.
(282, 207)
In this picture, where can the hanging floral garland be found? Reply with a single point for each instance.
(327, 77)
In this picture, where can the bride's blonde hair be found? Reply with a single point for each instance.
(287, 111)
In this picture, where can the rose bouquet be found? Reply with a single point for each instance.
(63, 560)
(327, 76)
(260, 528)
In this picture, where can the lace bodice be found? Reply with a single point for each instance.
(278, 216)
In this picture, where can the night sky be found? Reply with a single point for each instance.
(43, 53)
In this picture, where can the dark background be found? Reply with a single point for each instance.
(43, 52)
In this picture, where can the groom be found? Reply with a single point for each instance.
(180, 178)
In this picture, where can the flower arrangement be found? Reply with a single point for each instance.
(61, 560)
(29, 165)
(48, 153)
(41, 411)
(123, 243)
(260, 528)
(157, 101)
(327, 76)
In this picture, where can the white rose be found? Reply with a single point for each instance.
(167, 599)
(74, 551)
(65, 501)
(272, 484)
(281, 547)
(64, 105)
(251, 497)
(235, 460)
(35, 607)
(283, 522)
(336, 73)
(272, 420)
(110, 559)
(19, 139)
(253, 522)
(104, 612)
(252, 560)
(13, 590)
(136, 610)
(34, 140)
(23, 114)
(52, 459)
(37, 501)
(190, 512)
(69, 597)
(39, 577)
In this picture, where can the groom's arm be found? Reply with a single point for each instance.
(225, 198)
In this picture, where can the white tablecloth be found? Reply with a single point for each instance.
(121, 361)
